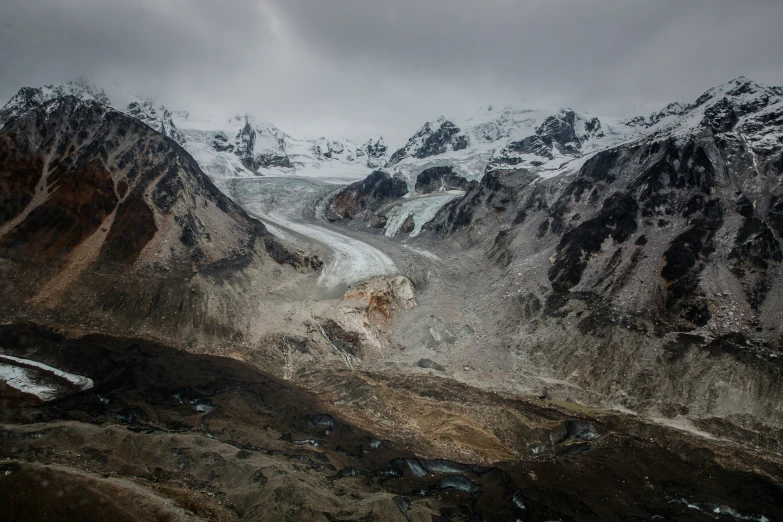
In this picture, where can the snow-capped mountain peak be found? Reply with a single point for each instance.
(30, 97)
(241, 145)
(554, 141)
(546, 141)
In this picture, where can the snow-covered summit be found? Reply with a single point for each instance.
(224, 147)
(545, 141)
(244, 146)
(740, 109)
(30, 97)
(556, 141)
(145, 110)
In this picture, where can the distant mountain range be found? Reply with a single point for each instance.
(546, 142)
(224, 147)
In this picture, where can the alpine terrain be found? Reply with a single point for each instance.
(528, 314)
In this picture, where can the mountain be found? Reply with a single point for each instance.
(444, 156)
(547, 142)
(553, 142)
(29, 97)
(661, 253)
(231, 147)
(574, 319)
(244, 146)
(106, 220)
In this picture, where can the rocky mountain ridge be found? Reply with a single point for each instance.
(559, 141)
(662, 255)
(106, 221)
(548, 142)
(237, 146)
(600, 344)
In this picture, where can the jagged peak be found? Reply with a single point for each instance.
(740, 87)
(377, 140)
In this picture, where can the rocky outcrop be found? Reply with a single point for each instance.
(259, 148)
(487, 205)
(159, 119)
(376, 151)
(361, 199)
(440, 178)
(617, 220)
(432, 139)
(561, 134)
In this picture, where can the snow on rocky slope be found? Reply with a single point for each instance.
(548, 142)
(662, 256)
(239, 146)
(446, 155)
(559, 141)
(243, 146)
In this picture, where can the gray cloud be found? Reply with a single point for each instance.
(358, 67)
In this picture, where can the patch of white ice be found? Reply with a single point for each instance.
(29, 381)
(421, 208)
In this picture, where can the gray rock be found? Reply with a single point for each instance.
(428, 363)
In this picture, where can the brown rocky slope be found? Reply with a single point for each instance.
(108, 224)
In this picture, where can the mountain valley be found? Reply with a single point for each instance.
(522, 315)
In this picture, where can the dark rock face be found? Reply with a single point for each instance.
(440, 178)
(158, 119)
(408, 226)
(488, 203)
(431, 140)
(18, 178)
(540, 146)
(692, 245)
(559, 132)
(245, 143)
(364, 197)
(616, 220)
(268, 160)
(346, 341)
(430, 364)
(221, 144)
(560, 129)
(688, 167)
(135, 227)
(377, 150)
(437, 141)
(756, 244)
(707, 203)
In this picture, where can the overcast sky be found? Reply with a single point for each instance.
(356, 68)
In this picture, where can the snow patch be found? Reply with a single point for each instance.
(23, 375)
